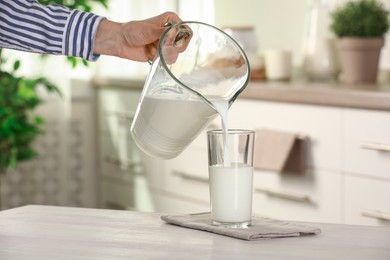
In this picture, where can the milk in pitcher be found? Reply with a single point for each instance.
(167, 125)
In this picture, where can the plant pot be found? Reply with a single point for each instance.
(359, 58)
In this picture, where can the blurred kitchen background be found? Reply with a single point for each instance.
(88, 159)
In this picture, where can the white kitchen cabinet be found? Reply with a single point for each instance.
(320, 124)
(348, 169)
(115, 163)
(187, 175)
(366, 167)
(185, 185)
(314, 196)
(127, 176)
(117, 195)
(367, 143)
(114, 107)
(367, 201)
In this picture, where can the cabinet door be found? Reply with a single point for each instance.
(128, 177)
(320, 124)
(314, 196)
(187, 175)
(367, 143)
(118, 154)
(115, 162)
(114, 105)
(126, 195)
(367, 201)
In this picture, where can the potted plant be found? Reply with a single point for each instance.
(360, 26)
(19, 125)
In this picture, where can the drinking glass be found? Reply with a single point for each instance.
(231, 176)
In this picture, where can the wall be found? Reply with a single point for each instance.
(278, 23)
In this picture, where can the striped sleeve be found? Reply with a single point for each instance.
(29, 26)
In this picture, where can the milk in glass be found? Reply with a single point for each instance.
(231, 189)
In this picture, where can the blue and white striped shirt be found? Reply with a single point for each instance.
(29, 26)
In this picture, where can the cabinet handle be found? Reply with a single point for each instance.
(190, 177)
(112, 159)
(376, 146)
(286, 195)
(376, 214)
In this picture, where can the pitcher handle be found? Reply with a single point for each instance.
(181, 38)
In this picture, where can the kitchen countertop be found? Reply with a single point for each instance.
(334, 94)
(327, 94)
(49, 232)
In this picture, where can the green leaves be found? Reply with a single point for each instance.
(19, 127)
(84, 5)
(361, 18)
(76, 61)
(16, 65)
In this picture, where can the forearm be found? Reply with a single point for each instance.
(108, 38)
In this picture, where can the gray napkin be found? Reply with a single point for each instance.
(260, 227)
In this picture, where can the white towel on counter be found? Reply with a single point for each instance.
(259, 229)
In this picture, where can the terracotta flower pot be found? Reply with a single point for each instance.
(359, 58)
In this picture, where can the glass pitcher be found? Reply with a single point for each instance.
(197, 67)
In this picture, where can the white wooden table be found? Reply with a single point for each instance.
(47, 232)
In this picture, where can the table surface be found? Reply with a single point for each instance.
(49, 232)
